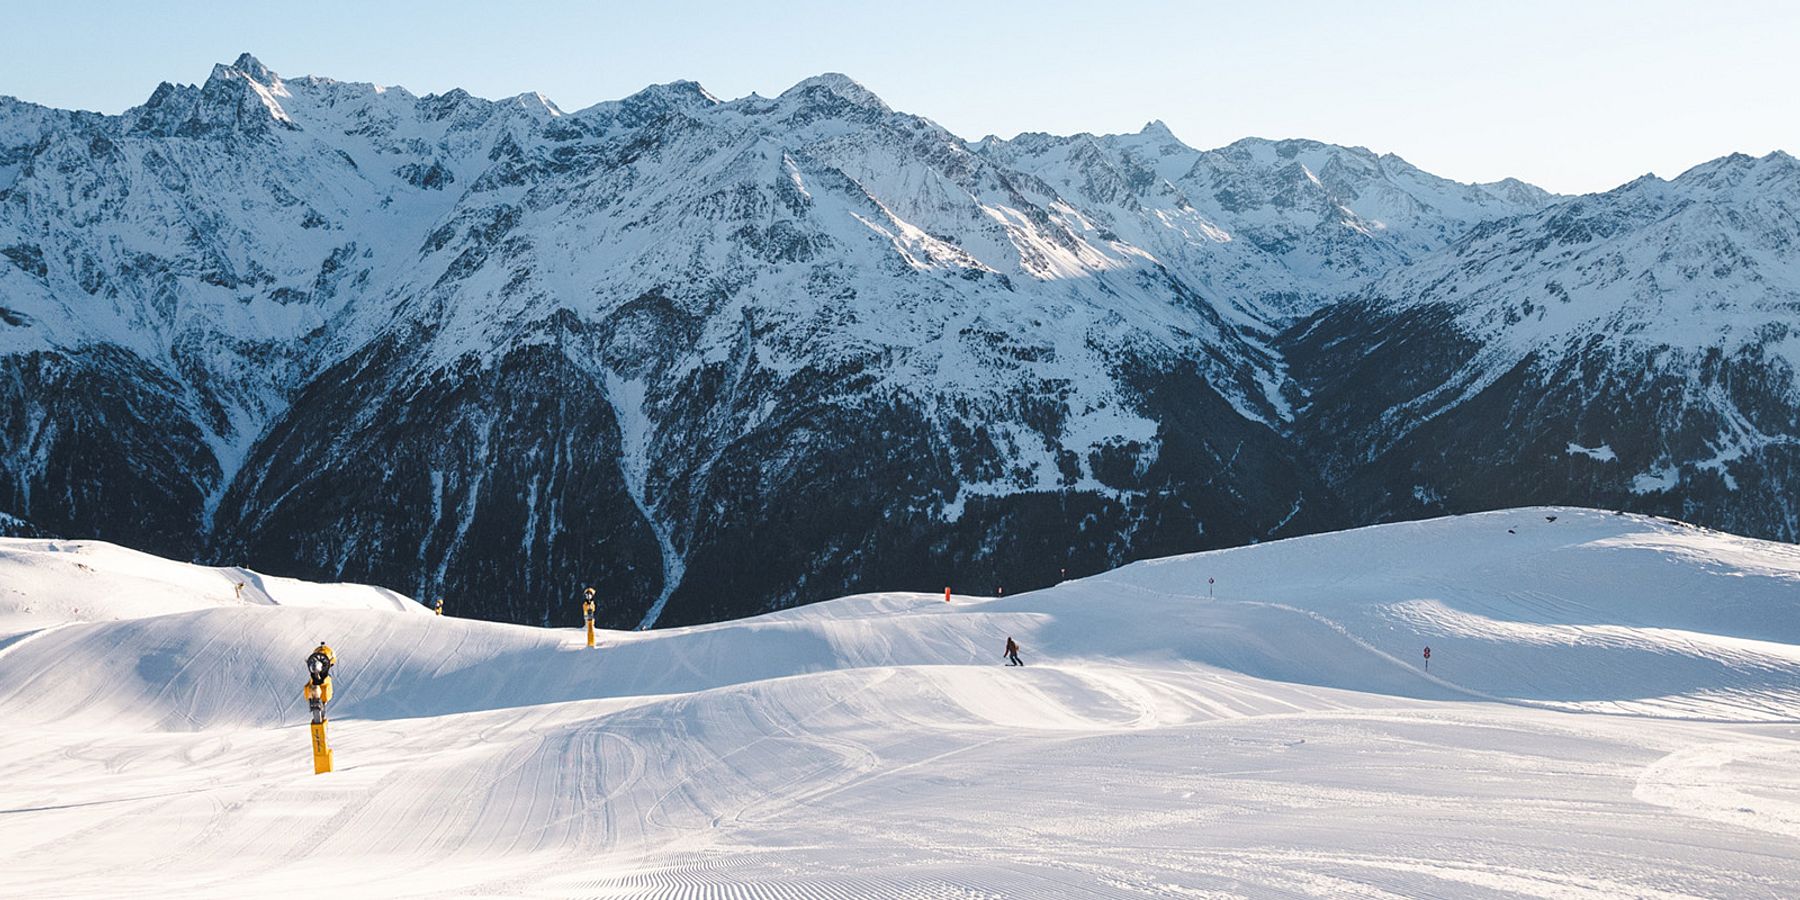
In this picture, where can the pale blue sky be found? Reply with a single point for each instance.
(1571, 95)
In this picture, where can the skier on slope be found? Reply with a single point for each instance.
(1012, 652)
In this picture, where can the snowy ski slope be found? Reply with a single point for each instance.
(51, 582)
(1613, 709)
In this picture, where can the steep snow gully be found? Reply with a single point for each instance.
(1612, 709)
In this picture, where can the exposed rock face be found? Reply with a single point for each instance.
(721, 357)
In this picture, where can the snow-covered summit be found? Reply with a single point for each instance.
(837, 85)
(253, 68)
(657, 99)
(1155, 129)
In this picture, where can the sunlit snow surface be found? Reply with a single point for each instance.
(1613, 709)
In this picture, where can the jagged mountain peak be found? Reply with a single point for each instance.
(22, 124)
(1521, 193)
(233, 100)
(1155, 128)
(652, 102)
(681, 92)
(1648, 180)
(1290, 149)
(1739, 170)
(252, 67)
(534, 102)
(838, 85)
(245, 68)
(450, 100)
(163, 93)
(1154, 139)
(1736, 178)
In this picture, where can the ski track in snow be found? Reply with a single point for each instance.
(1586, 731)
(1694, 781)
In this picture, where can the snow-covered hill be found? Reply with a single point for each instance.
(52, 582)
(1611, 710)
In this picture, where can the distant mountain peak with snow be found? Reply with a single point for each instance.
(252, 67)
(839, 85)
(1156, 129)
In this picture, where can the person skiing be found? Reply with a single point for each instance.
(1012, 652)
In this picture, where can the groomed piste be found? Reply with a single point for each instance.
(1612, 709)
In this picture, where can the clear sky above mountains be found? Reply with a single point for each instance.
(1572, 96)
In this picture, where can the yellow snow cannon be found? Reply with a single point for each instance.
(318, 693)
(587, 612)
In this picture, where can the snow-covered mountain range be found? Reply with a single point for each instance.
(717, 357)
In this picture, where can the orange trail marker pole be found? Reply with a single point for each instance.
(946, 595)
